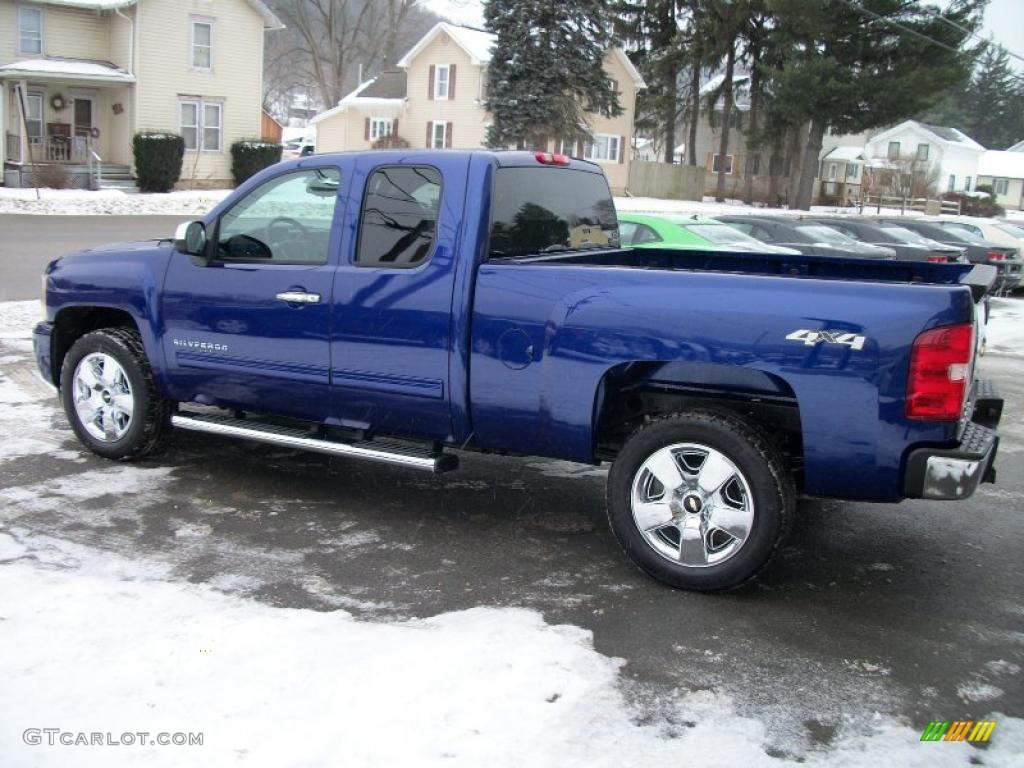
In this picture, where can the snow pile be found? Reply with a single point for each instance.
(1004, 334)
(94, 644)
(108, 202)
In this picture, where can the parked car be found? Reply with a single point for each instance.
(810, 238)
(953, 252)
(993, 230)
(688, 232)
(869, 232)
(298, 148)
(404, 306)
(979, 250)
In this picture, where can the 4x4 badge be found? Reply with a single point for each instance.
(811, 338)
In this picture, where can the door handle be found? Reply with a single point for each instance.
(299, 297)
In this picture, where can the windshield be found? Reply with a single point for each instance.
(1011, 229)
(721, 234)
(825, 234)
(546, 209)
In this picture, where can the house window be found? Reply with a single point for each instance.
(894, 150)
(1001, 186)
(832, 170)
(604, 148)
(30, 30)
(439, 135)
(202, 44)
(967, 184)
(441, 82)
(952, 182)
(922, 151)
(34, 115)
(201, 123)
(565, 147)
(716, 164)
(852, 171)
(381, 127)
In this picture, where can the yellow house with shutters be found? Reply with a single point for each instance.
(78, 78)
(436, 97)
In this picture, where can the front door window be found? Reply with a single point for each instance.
(83, 117)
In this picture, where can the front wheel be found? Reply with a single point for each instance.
(700, 500)
(109, 395)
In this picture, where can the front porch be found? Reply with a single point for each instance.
(64, 112)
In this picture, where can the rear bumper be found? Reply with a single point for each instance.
(41, 337)
(955, 473)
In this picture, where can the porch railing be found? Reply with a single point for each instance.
(60, 149)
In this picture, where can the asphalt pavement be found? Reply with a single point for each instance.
(29, 242)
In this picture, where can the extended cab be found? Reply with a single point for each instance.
(405, 306)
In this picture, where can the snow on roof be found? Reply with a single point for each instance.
(941, 134)
(356, 97)
(270, 20)
(79, 69)
(845, 154)
(478, 44)
(1003, 165)
(1018, 147)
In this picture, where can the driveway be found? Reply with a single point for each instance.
(29, 243)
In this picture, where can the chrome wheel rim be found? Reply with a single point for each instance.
(103, 397)
(692, 505)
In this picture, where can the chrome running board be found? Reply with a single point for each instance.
(382, 451)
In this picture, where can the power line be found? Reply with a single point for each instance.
(968, 32)
(891, 22)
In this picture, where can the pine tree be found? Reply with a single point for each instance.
(546, 69)
(990, 112)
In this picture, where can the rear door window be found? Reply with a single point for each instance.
(548, 209)
(399, 217)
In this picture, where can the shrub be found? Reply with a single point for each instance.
(53, 176)
(158, 159)
(250, 157)
(390, 142)
(973, 204)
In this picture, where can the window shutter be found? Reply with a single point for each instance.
(430, 91)
(430, 132)
(366, 129)
(622, 150)
(451, 84)
(448, 136)
(394, 127)
(579, 148)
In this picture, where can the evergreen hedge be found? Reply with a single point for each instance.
(158, 159)
(250, 157)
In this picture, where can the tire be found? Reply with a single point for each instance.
(729, 514)
(106, 372)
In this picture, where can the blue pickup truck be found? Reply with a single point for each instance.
(409, 306)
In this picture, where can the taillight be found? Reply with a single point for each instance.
(549, 159)
(937, 258)
(996, 256)
(940, 372)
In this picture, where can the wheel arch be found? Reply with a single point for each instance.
(630, 394)
(72, 322)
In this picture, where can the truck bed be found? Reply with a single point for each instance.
(978, 278)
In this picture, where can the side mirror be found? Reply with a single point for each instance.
(190, 238)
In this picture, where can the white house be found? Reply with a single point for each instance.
(1004, 172)
(946, 152)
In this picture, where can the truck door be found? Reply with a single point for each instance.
(391, 330)
(249, 325)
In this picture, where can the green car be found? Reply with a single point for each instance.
(686, 233)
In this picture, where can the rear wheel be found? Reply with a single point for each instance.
(700, 500)
(109, 395)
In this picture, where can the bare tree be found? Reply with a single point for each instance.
(327, 42)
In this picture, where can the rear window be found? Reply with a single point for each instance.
(825, 234)
(545, 210)
(907, 236)
(721, 234)
(966, 235)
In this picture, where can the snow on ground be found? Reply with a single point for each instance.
(108, 202)
(92, 642)
(1005, 331)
